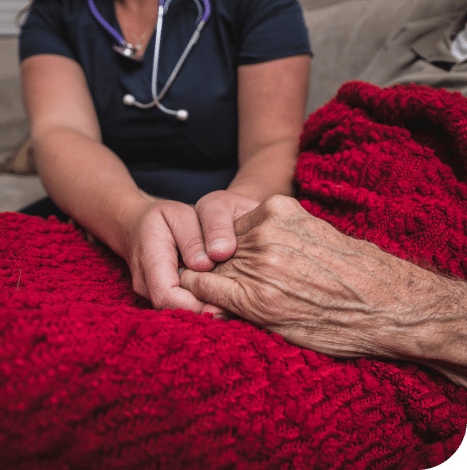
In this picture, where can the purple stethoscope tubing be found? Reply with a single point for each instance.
(130, 100)
(117, 36)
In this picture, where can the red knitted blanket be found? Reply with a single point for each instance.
(92, 378)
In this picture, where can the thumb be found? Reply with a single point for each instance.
(217, 212)
(211, 288)
(218, 231)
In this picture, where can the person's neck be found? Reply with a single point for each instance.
(137, 19)
(137, 6)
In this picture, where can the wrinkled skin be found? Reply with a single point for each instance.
(298, 276)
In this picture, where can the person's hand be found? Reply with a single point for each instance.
(152, 255)
(167, 226)
(297, 276)
(217, 212)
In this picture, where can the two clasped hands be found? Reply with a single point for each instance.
(285, 270)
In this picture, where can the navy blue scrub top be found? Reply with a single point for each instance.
(167, 156)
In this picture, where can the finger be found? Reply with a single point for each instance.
(209, 309)
(159, 268)
(274, 206)
(186, 231)
(165, 293)
(212, 288)
(216, 219)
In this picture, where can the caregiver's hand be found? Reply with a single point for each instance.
(217, 212)
(152, 254)
(165, 226)
(298, 276)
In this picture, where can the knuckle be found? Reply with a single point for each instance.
(216, 226)
(200, 286)
(264, 233)
(208, 199)
(203, 200)
(194, 244)
(161, 301)
(174, 210)
(281, 205)
(190, 281)
(275, 260)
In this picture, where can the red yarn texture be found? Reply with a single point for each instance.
(92, 378)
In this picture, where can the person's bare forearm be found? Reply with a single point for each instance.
(400, 311)
(90, 183)
(272, 97)
(435, 333)
(269, 172)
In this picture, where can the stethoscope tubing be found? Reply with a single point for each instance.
(105, 24)
(193, 40)
(130, 100)
(118, 37)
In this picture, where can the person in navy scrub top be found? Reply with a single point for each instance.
(148, 184)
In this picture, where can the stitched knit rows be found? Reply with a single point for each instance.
(92, 378)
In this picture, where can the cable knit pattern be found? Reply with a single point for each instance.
(92, 378)
(389, 166)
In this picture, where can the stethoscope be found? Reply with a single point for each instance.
(127, 50)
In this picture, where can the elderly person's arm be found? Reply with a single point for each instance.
(297, 276)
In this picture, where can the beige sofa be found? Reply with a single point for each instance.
(344, 34)
(13, 125)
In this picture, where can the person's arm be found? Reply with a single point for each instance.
(298, 276)
(271, 108)
(271, 105)
(93, 186)
(70, 157)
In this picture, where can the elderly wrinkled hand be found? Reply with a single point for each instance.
(297, 276)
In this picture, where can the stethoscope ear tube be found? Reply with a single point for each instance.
(126, 50)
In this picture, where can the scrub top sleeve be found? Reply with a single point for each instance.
(270, 29)
(43, 31)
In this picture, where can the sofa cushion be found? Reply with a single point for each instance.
(13, 123)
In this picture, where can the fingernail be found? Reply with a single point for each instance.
(219, 246)
(201, 256)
